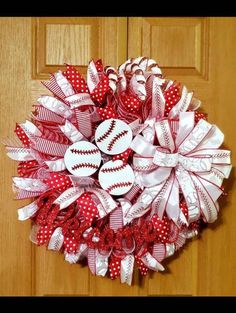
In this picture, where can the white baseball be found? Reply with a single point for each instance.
(116, 177)
(113, 136)
(82, 158)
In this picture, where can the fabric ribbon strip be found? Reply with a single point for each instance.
(174, 166)
(126, 269)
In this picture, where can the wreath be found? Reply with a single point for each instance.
(123, 168)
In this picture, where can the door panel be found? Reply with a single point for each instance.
(76, 40)
(199, 53)
(179, 45)
(15, 101)
(196, 51)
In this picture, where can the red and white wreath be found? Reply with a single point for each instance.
(123, 168)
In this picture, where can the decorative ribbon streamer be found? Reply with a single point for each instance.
(27, 211)
(45, 115)
(78, 100)
(126, 271)
(69, 196)
(151, 262)
(183, 103)
(92, 76)
(107, 202)
(84, 122)
(80, 254)
(56, 165)
(20, 154)
(71, 132)
(56, 240)
(23, 194)
(159, 251)
(55, 106)
(30, 129)
(29, 184)
(116, 219)
(49, 147)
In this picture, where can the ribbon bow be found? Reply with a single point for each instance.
(189, 163)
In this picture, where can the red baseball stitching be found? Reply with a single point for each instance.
(165, 137)
(128, 271)
(119, 185)
(145, 168)
(85, 152)
(221, 155)
(114, 140)
(108, 132)
(113, 169)
(131, 214)
(87, 165)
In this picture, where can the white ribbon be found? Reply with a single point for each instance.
(20, 154)
(56, 165)
(80, 254)
(29, 184)
(92, 76)
(55, 106)
(69, 196)
(71, 131)
(151, 262)
(56, 240)
(64, 84)
(182, 104)
(27, 211)
(79, 99)
(30, 129)
(126, 269)
(101, 264)
(191, 164)
(98, 263)
(107, 204)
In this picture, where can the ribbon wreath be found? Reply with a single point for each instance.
(174, 155)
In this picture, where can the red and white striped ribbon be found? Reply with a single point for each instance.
(159, 251)
(43, 114)
(116, 219)
(92, 260)
(84, 122)
(25, 194)
(49, 147)
(132, 192)
(53, 86)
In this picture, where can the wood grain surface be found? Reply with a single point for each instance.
(199, 52)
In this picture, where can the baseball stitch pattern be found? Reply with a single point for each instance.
(108, 132)
(114, 140)
(113, 169)
(119, 185)
(85, 152)
(84, 165)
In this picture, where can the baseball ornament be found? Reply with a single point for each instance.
(113, 136)
(82, 158)
(122, 167)
(116, 177)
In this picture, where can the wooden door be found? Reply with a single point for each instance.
(197, 51)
